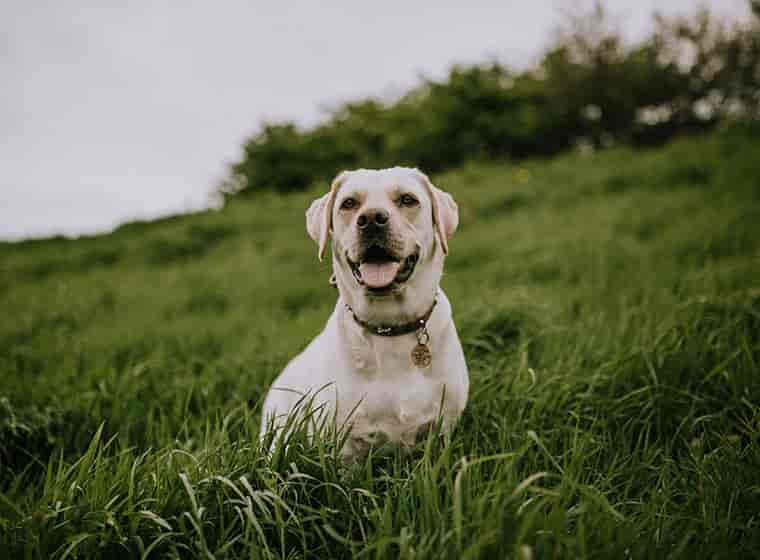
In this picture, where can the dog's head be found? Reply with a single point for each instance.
(390, 231)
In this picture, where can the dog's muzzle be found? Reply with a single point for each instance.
(380, 271)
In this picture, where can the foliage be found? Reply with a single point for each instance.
(609, 310)
(589, 89)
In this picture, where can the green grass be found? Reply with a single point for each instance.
(609, 306)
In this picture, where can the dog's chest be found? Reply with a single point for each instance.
(396, 408)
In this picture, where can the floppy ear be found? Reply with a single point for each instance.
(319, 215)
(445, 212)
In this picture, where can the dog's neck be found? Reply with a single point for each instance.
(396, 329)
(399, 311)
(373, 354)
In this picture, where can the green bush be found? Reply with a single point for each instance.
(588, 89)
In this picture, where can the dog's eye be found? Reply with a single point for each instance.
(348, 204)
(408, 200)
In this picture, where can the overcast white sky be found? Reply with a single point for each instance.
(111, 111)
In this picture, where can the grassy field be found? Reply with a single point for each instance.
(609, 305)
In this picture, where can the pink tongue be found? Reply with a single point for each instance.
(379, 275)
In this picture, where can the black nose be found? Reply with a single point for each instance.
(373, 218)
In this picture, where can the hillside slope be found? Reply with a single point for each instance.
(609, 305)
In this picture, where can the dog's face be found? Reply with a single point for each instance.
(389, 232)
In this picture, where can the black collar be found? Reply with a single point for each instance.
(395, 330)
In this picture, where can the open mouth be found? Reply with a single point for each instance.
(380, 271)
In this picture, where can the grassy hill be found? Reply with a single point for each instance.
(609, 305)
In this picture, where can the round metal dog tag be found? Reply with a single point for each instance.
(421, 356)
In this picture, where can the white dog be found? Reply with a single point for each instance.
(389, 363)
